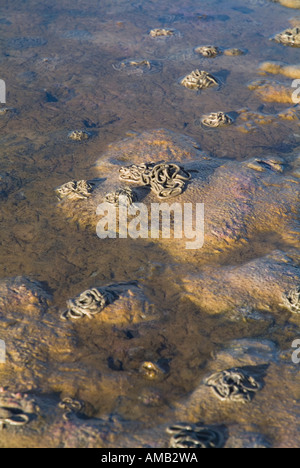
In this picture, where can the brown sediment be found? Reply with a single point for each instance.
(258, 208)
(270, 91)
(295, 21)
(234, 52)
(253, 120)
(289, 3)
(296, 173)
(255, 356)
(293, 113)
(264, 282)
(276, 68)
(138, 66)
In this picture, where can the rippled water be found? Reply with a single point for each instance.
(62, 64)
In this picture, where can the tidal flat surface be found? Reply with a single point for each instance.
(140, 366)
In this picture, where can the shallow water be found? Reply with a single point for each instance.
(61, 64)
